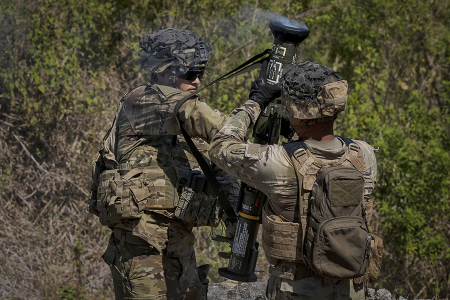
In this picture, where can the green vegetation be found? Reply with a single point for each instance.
(72, 293)
(64, 65)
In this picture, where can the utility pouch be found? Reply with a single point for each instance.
(108, 216)
(125, 193)
(197, 203)
(282, 240)
(376, 257)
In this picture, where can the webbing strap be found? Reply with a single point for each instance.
(354, 155)
(278, 273)
(297, 154)
(313, 224)
(249, 65)
(210, 177)
(132, 173)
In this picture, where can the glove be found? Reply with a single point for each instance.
(229, 233)
(231, 228)
(260, 91)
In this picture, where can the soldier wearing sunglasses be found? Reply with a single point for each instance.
(151, 252)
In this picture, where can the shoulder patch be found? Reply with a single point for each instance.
(252, 151)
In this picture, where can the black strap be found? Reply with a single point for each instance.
(210, 177)
(247, 66)
(251, 64)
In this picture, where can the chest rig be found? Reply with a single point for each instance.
(152, 174)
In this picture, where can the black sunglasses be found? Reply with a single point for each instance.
(192, 74)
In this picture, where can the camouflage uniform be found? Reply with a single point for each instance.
(153, 256)
(151, 253)
(269, 168)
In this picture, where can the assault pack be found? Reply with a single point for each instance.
(331, 236)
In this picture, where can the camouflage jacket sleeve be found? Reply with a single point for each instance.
(267, 168)
(199, 119)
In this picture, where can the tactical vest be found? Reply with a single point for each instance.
(283, 240)
(152, 172)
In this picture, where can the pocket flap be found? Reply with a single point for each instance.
(131, 174)
(140, 193)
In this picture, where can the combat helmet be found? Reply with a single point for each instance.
(175, 48)
(312, 91)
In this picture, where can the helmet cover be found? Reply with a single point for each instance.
(173, 47)
(312, 91)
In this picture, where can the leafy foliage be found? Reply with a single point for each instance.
(395, 55)
(64, 65)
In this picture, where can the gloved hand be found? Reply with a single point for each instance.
(231, 228)
(229, 233)
(260, 91)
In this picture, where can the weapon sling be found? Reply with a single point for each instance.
(251, 64)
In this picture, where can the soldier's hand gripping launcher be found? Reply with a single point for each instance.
(244, 251)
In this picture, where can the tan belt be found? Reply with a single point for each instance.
(291, 270)
(129, 237)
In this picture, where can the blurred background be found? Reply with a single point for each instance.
(64, 65)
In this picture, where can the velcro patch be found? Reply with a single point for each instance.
(346, 192)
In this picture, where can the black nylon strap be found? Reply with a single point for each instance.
(210, 177)
(249, 65)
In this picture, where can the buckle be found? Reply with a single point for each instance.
(299, 153)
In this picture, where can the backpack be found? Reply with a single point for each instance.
(336, 243)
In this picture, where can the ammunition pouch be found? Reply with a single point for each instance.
(126, 196)
(282, 240)
(198, 204)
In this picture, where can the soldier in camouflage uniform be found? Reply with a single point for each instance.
(141, 165)
(312, 96)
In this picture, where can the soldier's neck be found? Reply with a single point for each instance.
(320, 132)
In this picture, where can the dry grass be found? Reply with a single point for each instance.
(48, 239)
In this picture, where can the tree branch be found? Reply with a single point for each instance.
(47, 172)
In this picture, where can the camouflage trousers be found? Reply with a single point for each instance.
(140, 271)
(313, 288)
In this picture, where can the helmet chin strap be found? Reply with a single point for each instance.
(173, 76)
